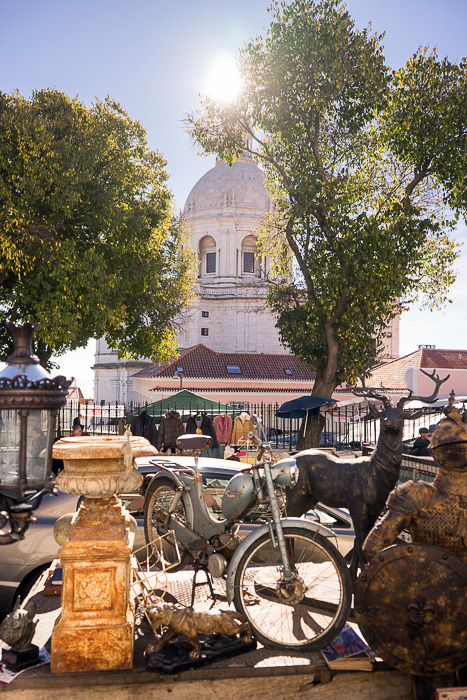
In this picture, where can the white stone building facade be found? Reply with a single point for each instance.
(229, 313)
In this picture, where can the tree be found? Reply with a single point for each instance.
(361, 161)
(89, 243)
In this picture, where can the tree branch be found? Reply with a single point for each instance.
(421, 172)
(314, 147)
(301, 262)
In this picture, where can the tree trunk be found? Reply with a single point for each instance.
(315, 427)
(310, 431)
(317, 422)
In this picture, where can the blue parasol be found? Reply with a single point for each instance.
(298, 408)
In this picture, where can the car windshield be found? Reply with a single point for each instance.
(329, 519)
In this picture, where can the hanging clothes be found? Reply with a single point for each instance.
(201, 423)
(170, 429)
(215, 452)
(222, 425)
(144, 426)
(241, 427)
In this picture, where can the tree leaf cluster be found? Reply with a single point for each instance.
(90, 246)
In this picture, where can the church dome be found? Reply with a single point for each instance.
(240, 186)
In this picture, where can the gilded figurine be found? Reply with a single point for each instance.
(186, 621)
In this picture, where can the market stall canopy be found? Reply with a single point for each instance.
(299, 407)
(185, 402)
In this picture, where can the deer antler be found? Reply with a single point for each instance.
(371, 394)
(426, 399)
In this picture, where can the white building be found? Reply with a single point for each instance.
(229, 313)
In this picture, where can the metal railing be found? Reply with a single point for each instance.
(346, 428)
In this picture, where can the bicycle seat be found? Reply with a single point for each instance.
(194, 442)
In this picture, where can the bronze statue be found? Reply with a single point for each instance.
(410, 600)
(362, 485)
(186, 621)
(17, 629)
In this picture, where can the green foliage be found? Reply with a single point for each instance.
(89, 244)
(359, 161)
(427, 120)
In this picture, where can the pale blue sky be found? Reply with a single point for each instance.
(154, 56)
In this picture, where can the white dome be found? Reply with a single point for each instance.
(240, 186)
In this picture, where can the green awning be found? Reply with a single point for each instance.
(185, 402)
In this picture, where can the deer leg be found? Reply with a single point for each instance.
(359, 515)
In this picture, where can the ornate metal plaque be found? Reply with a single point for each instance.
(410, 604)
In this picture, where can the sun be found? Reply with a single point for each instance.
(223, 81)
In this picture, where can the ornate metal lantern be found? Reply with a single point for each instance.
(29, 403)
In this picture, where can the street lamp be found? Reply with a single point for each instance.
(29, 403)
(179, 375)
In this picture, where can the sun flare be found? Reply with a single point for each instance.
(223, 81)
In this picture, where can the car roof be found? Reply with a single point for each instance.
(207, 465)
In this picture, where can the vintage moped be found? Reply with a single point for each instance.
(286, 576)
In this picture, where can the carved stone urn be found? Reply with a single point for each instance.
(95, 631)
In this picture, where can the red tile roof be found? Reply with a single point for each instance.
(199, 362)
(443, 359)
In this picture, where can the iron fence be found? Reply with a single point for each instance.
(346, 427)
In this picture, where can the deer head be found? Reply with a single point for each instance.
(391, 417)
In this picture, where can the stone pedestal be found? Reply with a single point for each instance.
(95, 631)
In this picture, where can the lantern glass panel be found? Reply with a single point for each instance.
(9, 449)
(37, 426)
(39, 436)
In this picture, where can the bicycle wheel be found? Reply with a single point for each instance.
(158, 499)
(310, 613)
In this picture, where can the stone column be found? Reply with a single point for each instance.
(95, 631)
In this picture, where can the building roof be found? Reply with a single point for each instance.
(443, 359)
(200, 362)
(75, 394)
(239, 186)
(391, 375)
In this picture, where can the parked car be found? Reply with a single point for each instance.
(23, 562)
(339, 521)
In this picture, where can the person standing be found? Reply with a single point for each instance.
(422, 443)
(79, 421)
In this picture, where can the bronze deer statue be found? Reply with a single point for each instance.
(361, 485)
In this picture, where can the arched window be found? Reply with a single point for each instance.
(249, 262)
(207, 256)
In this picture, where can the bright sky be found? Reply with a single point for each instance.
(154, 57)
